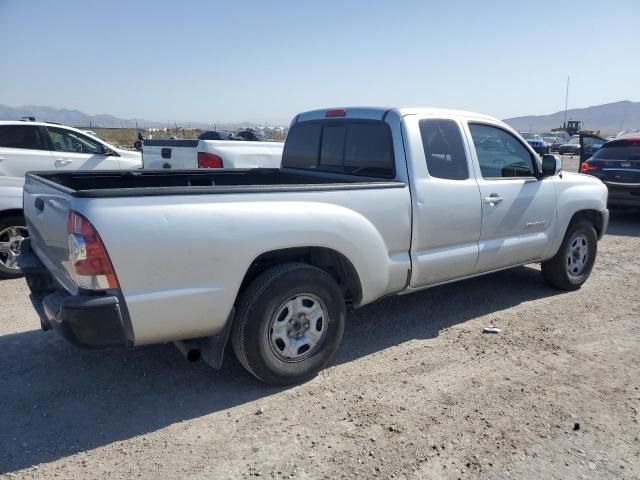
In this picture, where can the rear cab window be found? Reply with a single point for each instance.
(354, 147)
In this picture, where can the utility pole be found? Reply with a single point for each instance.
(566, 103)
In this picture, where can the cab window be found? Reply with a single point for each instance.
(443, 149)
(500, 154)
(70, 141)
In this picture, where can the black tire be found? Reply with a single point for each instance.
(556, 270)
(7, 222)
(251, 334)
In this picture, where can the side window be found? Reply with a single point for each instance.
(500, 154)
(22, 136)
(443, 149)
(69, 141)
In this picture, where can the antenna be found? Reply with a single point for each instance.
(566, 103)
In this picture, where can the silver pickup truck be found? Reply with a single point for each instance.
(368, 202)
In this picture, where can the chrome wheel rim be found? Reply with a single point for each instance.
(298, 328)
(577, 255)
(10, 240)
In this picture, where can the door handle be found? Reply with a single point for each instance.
(61, 162)
(2, 158)
(493, 199)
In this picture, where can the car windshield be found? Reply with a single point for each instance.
(527, 135)
(574, 141)
(537, 137)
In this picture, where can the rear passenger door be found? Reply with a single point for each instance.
(446, 202)
(23, 148)
(518, 209)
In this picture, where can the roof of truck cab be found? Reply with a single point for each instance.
(377, 113)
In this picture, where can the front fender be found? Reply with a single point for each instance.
(575, 193)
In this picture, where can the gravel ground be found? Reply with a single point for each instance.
(416, 391)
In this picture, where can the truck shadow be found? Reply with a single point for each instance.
(58, 400)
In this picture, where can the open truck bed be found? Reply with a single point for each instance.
(189, 182)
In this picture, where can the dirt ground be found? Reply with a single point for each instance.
(416, 391)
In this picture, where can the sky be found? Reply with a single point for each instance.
(264, 61)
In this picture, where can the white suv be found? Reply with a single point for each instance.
(28, 146)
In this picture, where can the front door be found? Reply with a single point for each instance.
(74, 151)
(446, 202)
(518, 209)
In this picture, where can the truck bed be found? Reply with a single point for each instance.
(189, 182)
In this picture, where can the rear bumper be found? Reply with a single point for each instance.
(85, 320)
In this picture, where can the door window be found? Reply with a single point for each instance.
(500, 154)
(70, 141)
(22, 136)
(443, 149)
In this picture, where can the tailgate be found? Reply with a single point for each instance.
(175, 154)
(46, 211)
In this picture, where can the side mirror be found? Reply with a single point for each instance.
(551, 165)
(107, 151)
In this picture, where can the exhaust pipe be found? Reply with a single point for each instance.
(190, 351)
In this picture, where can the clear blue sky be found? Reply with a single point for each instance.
(266, 60)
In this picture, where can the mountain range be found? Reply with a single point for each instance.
(608, 118)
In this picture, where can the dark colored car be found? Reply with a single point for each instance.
(617, 164)
(572, 147)
(218, 135)
(252, 135)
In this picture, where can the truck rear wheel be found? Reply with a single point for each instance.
(572, 265)
(12, 232)
(289, 323)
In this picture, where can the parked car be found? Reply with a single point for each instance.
(369, 202)
(253, 135)
(27, 146)
(572, 147)
(535, 141)
(210, 153)
(552, 141)
(617, 164)
(12, 225)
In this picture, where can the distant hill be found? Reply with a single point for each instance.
(78, 118)
(609, 118)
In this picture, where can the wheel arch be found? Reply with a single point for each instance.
(331, 261)
(595, 217)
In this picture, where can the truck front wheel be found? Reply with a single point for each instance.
(571, 266)
(289, 323)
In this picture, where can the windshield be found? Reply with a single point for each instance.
(527, 135)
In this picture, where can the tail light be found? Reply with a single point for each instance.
(209, 160)
(587, 167)
(89, 263)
